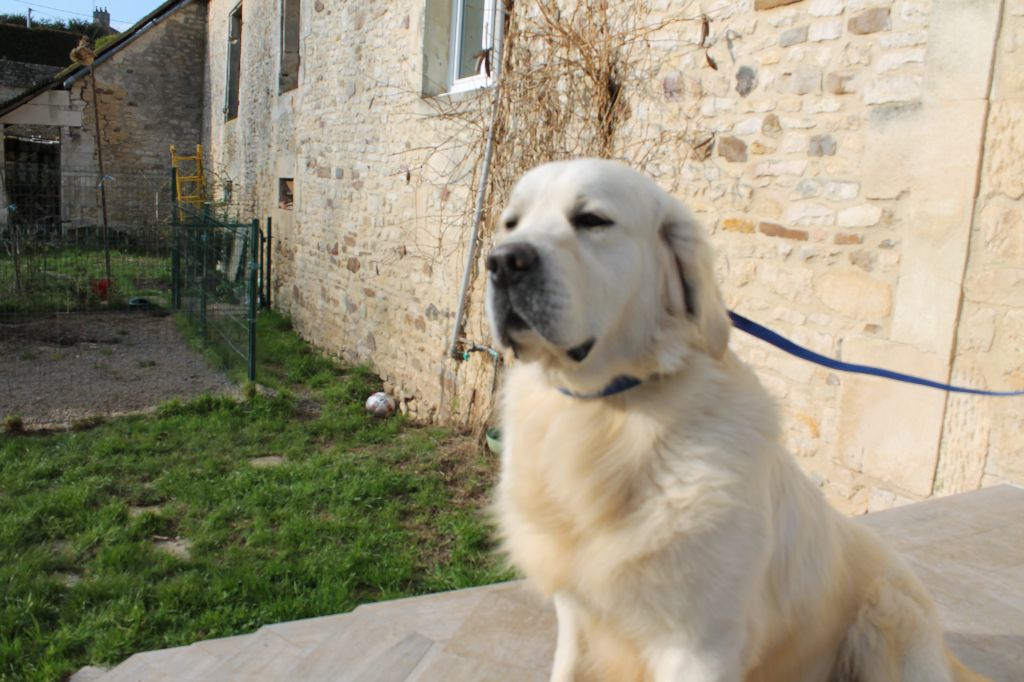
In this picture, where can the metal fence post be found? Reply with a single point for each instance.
(203, 247)
(260, 302)
(254, 267)
(269, 251)
(175, 245)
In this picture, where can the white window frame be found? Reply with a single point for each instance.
(493, 28)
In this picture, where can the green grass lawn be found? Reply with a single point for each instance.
(65, 279)
(360, 510)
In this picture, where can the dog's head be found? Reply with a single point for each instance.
(599, 273)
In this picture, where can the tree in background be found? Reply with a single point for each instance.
(85, 27)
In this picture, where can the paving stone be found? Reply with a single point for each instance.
(268, 462)
(89, 673)
(179, 547)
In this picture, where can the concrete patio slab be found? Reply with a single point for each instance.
(968, 549)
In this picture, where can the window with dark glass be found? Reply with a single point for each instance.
(234, 62)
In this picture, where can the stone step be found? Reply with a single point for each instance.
(473, 635)
(274, 649)
(968, 549)
(90, 673)
(183, 663)
(378, 628)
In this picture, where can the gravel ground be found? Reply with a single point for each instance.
(62, 369)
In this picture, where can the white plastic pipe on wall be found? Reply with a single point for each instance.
(481, 190)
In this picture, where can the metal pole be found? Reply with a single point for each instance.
(270, 250)
(453, 347)
(103, 177)
(259, 269)
(204, 233)
(253, 269)
(175, 246)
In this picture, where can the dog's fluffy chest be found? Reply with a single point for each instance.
(588, 487)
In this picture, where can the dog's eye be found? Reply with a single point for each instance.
(586, 220)
(511, 223)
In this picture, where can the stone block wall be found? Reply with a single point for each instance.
(861, 186)
(849, 138)
(369, 257)
(981, 439)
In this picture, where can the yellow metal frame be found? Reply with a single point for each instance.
(190, 182)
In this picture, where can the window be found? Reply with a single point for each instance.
(290, 12)
(471, 54)
(460, 44)
(286, 193)
(234, 62)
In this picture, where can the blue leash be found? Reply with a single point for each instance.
(782, 343)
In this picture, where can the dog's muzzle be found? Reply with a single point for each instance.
(511, 268)
(520, 298)
(510, 263)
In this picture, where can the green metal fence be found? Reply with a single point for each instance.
(216, 268)
(57, 255)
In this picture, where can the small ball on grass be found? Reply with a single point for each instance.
(380, 405)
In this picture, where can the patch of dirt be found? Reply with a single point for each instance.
(470, 472)
(134, 512)
(268, 462)
(62, 370)
(179, 547)
(68, 579)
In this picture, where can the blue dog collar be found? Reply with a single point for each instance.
(617, 385)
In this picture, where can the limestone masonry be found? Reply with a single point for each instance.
(863, 186)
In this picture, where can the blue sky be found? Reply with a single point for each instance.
(123, 13)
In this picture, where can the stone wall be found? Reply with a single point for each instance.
(981, 439)
(151, 96)
(842, 195)
(368, 259)
(833, 148)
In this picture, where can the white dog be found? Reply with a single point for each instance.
(643, 482)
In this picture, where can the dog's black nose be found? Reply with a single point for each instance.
(509, 262)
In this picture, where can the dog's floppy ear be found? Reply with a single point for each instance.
(690, 287)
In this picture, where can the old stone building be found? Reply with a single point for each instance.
(856, 161)
(149, 84)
